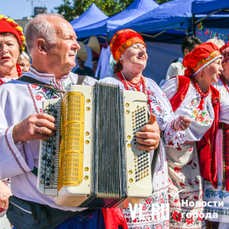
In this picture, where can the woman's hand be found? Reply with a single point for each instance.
(5, 193)
(149, 137)
(182, 123)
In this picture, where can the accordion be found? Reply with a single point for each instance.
(93, 159)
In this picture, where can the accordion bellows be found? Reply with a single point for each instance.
(93, 159)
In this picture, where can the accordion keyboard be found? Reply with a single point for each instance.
(139, 177)
(49, 163)
(141, 162)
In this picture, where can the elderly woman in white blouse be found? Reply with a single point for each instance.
(129, 51)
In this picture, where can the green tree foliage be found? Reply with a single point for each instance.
(71, 9)
(162, 1)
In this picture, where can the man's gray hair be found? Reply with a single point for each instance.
(40, 27)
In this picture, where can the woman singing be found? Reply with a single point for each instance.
(129, 51)
(12, 42)
(192, 95)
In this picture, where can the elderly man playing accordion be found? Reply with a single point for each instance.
(52, 45)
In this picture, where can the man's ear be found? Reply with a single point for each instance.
(42, 45)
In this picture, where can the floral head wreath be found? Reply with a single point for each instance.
(9, 25)
(203, 55)
(122, 40)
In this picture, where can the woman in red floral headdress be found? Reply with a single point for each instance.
(221, 193)
(12, 42)
(192, 95)
(129, 50)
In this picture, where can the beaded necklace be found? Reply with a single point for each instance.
(225, 83)
(1, 82)
(136, 86)
(201, 93)
(18, 70)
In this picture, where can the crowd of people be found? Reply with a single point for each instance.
(188, 123)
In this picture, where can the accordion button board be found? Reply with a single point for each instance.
(136, 116)
(49, 152)
(93, 159)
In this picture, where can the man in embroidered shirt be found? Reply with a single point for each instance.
(53, 47)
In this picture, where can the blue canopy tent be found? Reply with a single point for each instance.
(166, 23)
(93, 14)
(171, 21)
(209, 6)
(213, 14)
(137, 8)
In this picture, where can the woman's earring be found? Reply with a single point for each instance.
(202, 74)
(121, 61)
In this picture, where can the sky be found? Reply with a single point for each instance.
(17, 9)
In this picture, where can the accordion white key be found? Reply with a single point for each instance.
(93, 159)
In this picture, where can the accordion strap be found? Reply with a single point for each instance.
(28, 79)
(80, 79)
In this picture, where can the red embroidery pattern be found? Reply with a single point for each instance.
(7, 142)
(172, 125)
(40, 75)
(148, 222)
(176, 216)
(189, 220)
(38, 97)
(34, 103)
(177, 169)
(33, 86)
